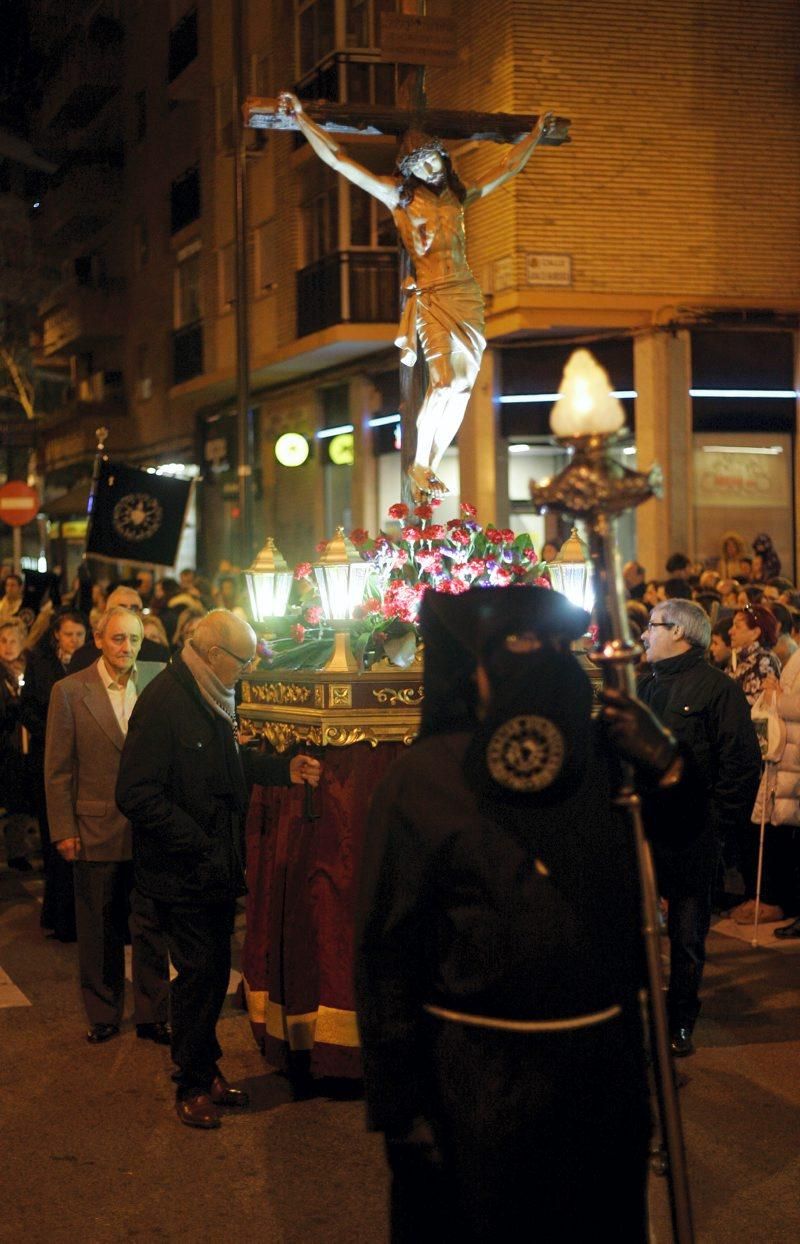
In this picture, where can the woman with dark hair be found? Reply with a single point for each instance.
(444, 307)
(12, 777)
(49, 662)
(768, 565)
(498, 954)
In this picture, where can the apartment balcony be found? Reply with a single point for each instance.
(77, 318)
(89, 73)
(358, 287)
(84, 201)
(187, 352)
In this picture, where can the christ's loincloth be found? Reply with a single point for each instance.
(445, 316)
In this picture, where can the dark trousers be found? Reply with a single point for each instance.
(199, 941)
(686, 879)
(106, 903)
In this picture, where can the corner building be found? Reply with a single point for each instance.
(666, 238)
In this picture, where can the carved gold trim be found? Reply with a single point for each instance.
(411, 696)
(319, 697)
(281, 735)
(341, 696)
(278, 693)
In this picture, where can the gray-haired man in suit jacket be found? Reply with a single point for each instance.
(86, 727)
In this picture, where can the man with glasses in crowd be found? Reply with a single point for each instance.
(710, 717)
(183, 783)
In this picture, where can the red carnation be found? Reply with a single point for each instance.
(494, 535)
(435, 532)
(372, 605)
(459, 536)
(508, 535)
(298, 632)
(423, 511)
(359, 535)
(314, 615)
(542, 581)
(398, 510)
(321, 547)
(411, 534)
(303, 570)
(468, 510)
(529, 553)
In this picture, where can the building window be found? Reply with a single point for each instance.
(188, 301)
(316, 29)
(184, 200)
(320, 214)
(263, 76)
(371, 223)
(141, 244)
(139, 115)
(182, 44)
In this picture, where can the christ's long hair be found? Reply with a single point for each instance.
(409, 183)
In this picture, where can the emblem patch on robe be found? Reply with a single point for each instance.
(526, 754)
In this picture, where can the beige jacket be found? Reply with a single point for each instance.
(83, 745)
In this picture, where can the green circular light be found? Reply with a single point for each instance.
(291, 449)
(341, 449)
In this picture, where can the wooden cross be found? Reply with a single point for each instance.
(364, 119)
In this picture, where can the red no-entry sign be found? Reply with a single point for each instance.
(19, 503)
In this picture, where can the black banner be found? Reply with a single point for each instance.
(136, 516)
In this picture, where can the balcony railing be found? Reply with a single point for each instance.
(358, 287)
(187, 352)
(83, 202)
(79, 317)
(88, 75)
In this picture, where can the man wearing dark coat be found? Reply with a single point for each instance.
(183, 784)
(498, 961)
(709, 716)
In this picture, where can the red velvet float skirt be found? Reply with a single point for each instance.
(302, 874)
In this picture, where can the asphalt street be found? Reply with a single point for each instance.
(92, 1150)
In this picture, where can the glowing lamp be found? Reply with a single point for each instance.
(291, 449)
(569, 572)
(586, 405)
(341, 578)
(269, 582)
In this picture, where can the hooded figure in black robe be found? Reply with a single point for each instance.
(499, 956)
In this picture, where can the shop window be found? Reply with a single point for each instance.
(184, 200)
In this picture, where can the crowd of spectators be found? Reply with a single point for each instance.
(754, 616)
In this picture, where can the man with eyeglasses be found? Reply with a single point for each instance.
(710, 717)
(183, 784)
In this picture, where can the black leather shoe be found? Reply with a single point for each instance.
(98, 1033)
(223, 1095)
(196, 1109)
(160, 1033)
(681, 1044)
(788, 931)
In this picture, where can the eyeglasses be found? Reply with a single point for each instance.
(244, 662)
(651, 626)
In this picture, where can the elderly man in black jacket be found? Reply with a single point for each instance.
(183, 784)
(710, 717)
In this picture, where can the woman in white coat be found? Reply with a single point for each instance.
(780, 787)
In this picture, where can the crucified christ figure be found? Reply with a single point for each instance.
(443, 312)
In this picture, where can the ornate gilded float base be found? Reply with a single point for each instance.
(327, 709)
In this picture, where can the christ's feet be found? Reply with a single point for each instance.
(425, 482)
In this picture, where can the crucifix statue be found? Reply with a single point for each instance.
(443, 313)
